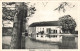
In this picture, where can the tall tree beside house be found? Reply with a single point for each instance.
(18, 25)
(19, 20)
(68, 24)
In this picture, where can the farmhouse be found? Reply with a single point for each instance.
(48, 27)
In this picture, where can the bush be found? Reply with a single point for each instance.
(7, 31)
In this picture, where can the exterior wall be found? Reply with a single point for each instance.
(32, 32)
(41, 28)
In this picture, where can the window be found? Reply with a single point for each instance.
(54, 35)
(49, 36)
(37, 35)
(49, 30)
(41, 36)
(55, 31)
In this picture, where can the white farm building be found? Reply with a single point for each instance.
(45, 30)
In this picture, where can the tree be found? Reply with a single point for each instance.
(7, 12)
(18, 25)
(21, 12)
(63, 5)
(19, 21)
(68, 24)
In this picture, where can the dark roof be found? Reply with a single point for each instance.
(47, 23)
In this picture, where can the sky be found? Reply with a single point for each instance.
(45, 12)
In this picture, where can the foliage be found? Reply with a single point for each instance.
(68, 23)
(7, 31)
(63, 5)
(8, 13)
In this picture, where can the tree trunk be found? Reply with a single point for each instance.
(16, 35)
(18, 28)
